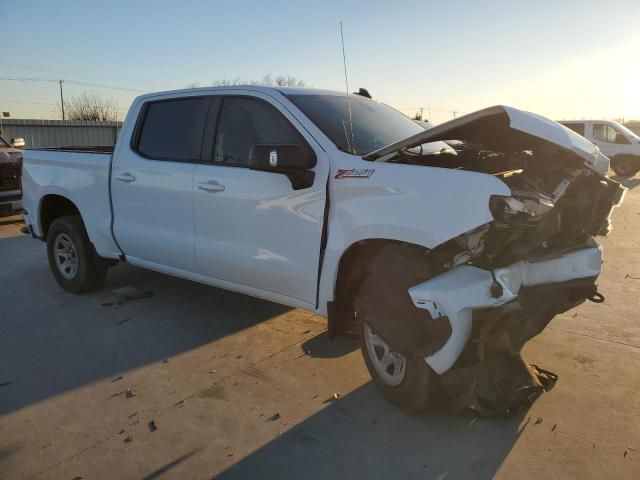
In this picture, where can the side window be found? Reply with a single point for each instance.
(244, 122)
(604, 133)
(173, 129)
(576, 127)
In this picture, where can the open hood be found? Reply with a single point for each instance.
(503, 128)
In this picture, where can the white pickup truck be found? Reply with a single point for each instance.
(616, 141)
(424, 242)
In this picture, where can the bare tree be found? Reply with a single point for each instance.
(90, 106)
(288, 81)
(269, 79)
(225, 82)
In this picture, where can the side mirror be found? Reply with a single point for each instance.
(17, 142)
(294, 161)
(281, 158)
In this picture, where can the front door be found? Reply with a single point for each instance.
(253, 231)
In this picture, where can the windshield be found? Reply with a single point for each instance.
(375, 125)
(628, 132)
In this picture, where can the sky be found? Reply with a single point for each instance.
(563, 60)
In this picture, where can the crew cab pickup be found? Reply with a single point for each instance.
(422, 242)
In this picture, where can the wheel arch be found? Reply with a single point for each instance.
(53, 206)
(349, 275)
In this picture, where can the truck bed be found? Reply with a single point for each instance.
(78, 174)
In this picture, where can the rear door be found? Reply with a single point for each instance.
(253, 231)
(152, 184)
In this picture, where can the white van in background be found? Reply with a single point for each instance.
(616, 141)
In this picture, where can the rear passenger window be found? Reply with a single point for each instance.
(245, 122)
(576, 127)
(604, 133)
(172, 129)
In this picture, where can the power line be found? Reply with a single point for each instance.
(28, 79)
(75, 82)
(58, 72)
(40, 69)
(26, 101)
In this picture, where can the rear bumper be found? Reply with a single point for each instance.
(458, 292)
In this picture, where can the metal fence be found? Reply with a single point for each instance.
(60, 133)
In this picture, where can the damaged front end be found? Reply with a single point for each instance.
(500, 284)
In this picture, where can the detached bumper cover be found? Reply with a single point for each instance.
(458, 292)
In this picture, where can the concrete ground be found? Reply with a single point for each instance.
(221, 384)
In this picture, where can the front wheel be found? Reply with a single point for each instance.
(382, 299)
(72, 260)
(625, 166)
(408, 383)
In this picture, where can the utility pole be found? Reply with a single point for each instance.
(61, 98)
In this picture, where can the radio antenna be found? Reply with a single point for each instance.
(352, 147)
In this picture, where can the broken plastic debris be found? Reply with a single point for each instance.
(131, 293)
(332, 398)
(130, 393)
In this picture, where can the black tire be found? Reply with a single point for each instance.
(625, 165)
(90, 269)
(420, 388)
(420, 391)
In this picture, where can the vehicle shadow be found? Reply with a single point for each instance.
(321, 346)
(52, 341)
(363, 436)
(629, 182)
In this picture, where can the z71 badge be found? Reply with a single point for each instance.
(355, 173)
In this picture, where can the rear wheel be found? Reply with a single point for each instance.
(625, 165)
(72, 260)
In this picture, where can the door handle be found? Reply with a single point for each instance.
(126, 177)
(211, 186)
